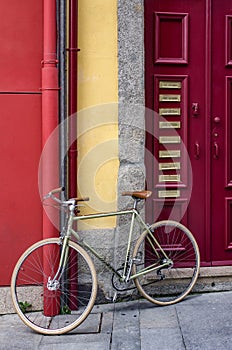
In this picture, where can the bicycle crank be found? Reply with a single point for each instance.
(121, 285)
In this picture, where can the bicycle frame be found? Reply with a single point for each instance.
(126, 275)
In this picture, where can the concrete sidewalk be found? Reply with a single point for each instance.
(201, 321)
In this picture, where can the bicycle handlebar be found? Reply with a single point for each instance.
(56, 190)
(68, 202)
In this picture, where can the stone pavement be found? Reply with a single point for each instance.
(201, 321)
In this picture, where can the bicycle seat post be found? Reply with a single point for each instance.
(136, 200)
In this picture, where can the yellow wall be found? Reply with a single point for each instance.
(97, 105)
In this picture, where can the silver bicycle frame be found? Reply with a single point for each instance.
(135, 216)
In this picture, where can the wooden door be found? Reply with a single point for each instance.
(221, 131)
(188, 63)
(21, 28)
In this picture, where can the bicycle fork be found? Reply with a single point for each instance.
(54, 283)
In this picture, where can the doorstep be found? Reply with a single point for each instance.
(214, 279)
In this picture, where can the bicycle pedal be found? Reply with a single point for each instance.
(161, 275)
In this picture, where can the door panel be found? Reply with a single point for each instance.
(174, 37)
(221, 143)
(21, 28)
(190, 43)
(20, 205)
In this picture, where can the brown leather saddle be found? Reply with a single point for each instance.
(138, 194)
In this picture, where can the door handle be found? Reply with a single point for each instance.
(195, 109)
(216, 150)
(217, 120)
(197, 150)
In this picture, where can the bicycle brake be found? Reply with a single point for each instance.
(138, 258)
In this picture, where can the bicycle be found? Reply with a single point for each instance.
(54, 283)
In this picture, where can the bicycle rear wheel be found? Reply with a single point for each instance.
(65, 305)
(167, 285)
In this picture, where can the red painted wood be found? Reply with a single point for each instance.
(21, 45)
(185, 62)
(21, 28)
(20, 206)
(221, 137)
(209, 136)
(171, 28)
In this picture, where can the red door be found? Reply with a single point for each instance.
(21, 27)
(221, 131)
(188, 65)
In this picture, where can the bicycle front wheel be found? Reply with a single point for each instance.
(166, 285)
(58, 308)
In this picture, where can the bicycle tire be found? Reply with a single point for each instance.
(168, 285)
(58, 311)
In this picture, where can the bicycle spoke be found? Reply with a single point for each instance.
(170, 284)
(64, 305)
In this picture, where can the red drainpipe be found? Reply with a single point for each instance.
(72, 109)
(49, 123)
(49, 103)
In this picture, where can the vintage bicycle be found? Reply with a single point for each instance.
(54, 283)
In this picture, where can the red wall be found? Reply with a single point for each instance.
(21, 28)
